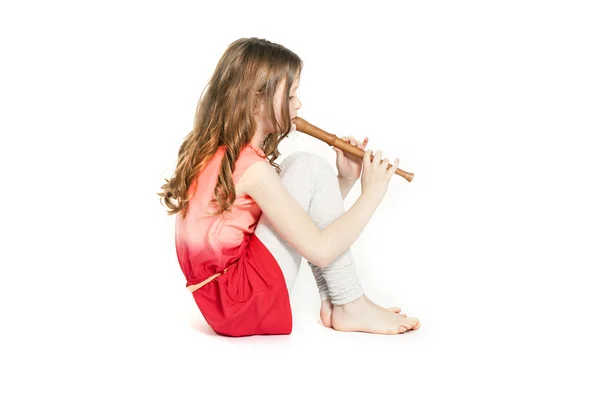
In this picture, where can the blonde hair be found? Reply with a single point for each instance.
(250, 70)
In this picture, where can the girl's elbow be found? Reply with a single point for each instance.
(321, 255)
(321, 259)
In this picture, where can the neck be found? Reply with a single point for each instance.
(258, 139)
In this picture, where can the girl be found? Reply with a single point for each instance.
(244, 222)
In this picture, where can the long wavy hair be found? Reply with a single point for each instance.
(249, 71)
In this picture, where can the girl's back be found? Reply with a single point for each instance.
(206, 244)
(249, 296)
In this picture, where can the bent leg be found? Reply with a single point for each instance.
(312, 182)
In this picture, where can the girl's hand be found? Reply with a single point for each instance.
(350, 166)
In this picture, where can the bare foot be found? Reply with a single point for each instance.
(362, 316)
(327, 309)
(394, 309)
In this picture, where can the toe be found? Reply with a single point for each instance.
(394, 309)
(416, 324)
(409, 323)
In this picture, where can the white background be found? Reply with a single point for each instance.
(494, 245)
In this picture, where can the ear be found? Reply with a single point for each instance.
(259, 104)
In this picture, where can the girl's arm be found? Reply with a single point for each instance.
(294, 225)
(345, 186)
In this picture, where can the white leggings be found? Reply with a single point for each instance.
(312, 181)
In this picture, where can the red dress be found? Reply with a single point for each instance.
(251, 297)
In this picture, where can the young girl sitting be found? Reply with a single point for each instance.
(244, 222)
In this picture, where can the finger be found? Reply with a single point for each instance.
(392, 170)
(352, 140)
(377, 159)
(384, 164)
(367, 158)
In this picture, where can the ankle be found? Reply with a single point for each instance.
(326, 302)
(354, 304)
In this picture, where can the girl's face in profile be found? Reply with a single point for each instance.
(294, 101)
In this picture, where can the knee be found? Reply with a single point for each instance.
(307, 161)
(297, 157)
